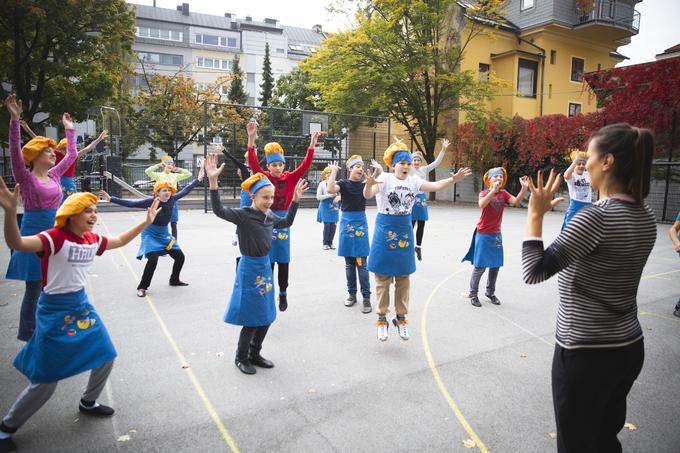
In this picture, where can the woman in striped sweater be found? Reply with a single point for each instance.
(600, 256)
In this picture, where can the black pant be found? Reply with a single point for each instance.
(173, 229)
(329, 233)
(150, 268)
(420, 231)
(250, 342)
(589, 387)
(283, 276)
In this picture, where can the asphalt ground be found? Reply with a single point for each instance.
(469, 376)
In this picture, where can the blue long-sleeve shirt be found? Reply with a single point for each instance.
(163, 216)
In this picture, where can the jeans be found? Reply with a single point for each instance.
(351, 267)
(329, 233)
(27, 314)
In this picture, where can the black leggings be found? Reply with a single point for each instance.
(173, 228)
(250, 342)
(283, 276)
(420, 231)
(152, 261)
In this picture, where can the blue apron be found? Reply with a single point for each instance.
(26, 266)
(419, 210)
(280, 251)
(252, 299)
(354, 240)
(68, 187)
(328, 211)
(486, 250)
(174, 217)
(158, 239)
(246, 201)
(392, 250)
(574, 207)
(69, 338)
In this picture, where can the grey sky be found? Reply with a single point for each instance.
(659, 20)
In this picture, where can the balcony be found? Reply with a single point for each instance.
(611, 13)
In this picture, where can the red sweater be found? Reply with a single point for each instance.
(284, 186)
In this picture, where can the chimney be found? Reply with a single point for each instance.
(249, 18)
(317, 28)
(270, 21)
(227, 15)
(185, 9)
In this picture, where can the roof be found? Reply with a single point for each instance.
(670, 50)
(297, 35)
(503, 25)
(620, 56)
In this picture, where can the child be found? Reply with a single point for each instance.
(156, 240)
(41, 196)
(252, 300)
(171, 174)
(419, 212)
(328, 210)
(70, 337)
(674, 233)
(68, 185)
(284, 187)
(354, 242)
(486, 249)
(578, 182)
(392, 257)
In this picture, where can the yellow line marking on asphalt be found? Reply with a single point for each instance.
(658, 315)
(437, 377)
(645, 277)
(192, 377)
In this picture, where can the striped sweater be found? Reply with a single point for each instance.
(600, 257)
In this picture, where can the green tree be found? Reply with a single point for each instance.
(403, 59)
(237, 93)
(293, 91)
(63, 55)
(267, 78)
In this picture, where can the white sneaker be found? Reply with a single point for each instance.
(383, 334)
(402, 328)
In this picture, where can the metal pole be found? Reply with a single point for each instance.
(668, 167)
(235, 152)
(374, 136)
(205, 153)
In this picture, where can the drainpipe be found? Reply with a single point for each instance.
(542, 50)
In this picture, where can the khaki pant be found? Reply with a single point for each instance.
(401, 293)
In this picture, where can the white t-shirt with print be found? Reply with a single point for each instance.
(579, 187)
(396, 196)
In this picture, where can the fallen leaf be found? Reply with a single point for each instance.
(312, 390)
(522, 355)
(123, 438)
(133, 431)
(469, 443)
(185, 366)
(552, 435)
(630, 426)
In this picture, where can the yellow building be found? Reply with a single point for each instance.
(544, 47)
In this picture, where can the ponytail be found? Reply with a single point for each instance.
(633, 150)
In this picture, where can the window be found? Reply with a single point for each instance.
(484, 71)
(577, 69)
(574, 109)
(214, 40)
(250, 77)
(159, 33)
(526, 4)
(553, 56)
(224, 90)
(231, 42)
(213, 63)
(279, 50)
(526, 78)
(612, 9)
(217, 140)
(160, 58)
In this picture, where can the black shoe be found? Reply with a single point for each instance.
(418, 253)
(367, 305)
(7, 445)
(260, 361)
(178, 283)
(494, 300)
(676, 312)
(283, 302)
(97, 411)
(474, 300)
(245, 366)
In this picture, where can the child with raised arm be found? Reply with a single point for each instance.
(252, 300)
(70, 337)
(33, 166)
(578, 182)
(328, 210)
(170, 173)
(284, 188)
(419, 213)
(354, 242)
(156, 239)
(392, 258)
(674, 233)
(486, 248)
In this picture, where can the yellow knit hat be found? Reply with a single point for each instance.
(255, 183)
(164, 159)
(353, 160)
(492, 172)
(576, 154)
(61, 146)
(73, 205)
(325, 172)
(392, 150)
(274, 153)
(35, 146)
(163, 184)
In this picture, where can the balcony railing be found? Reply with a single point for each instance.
(612, 12)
